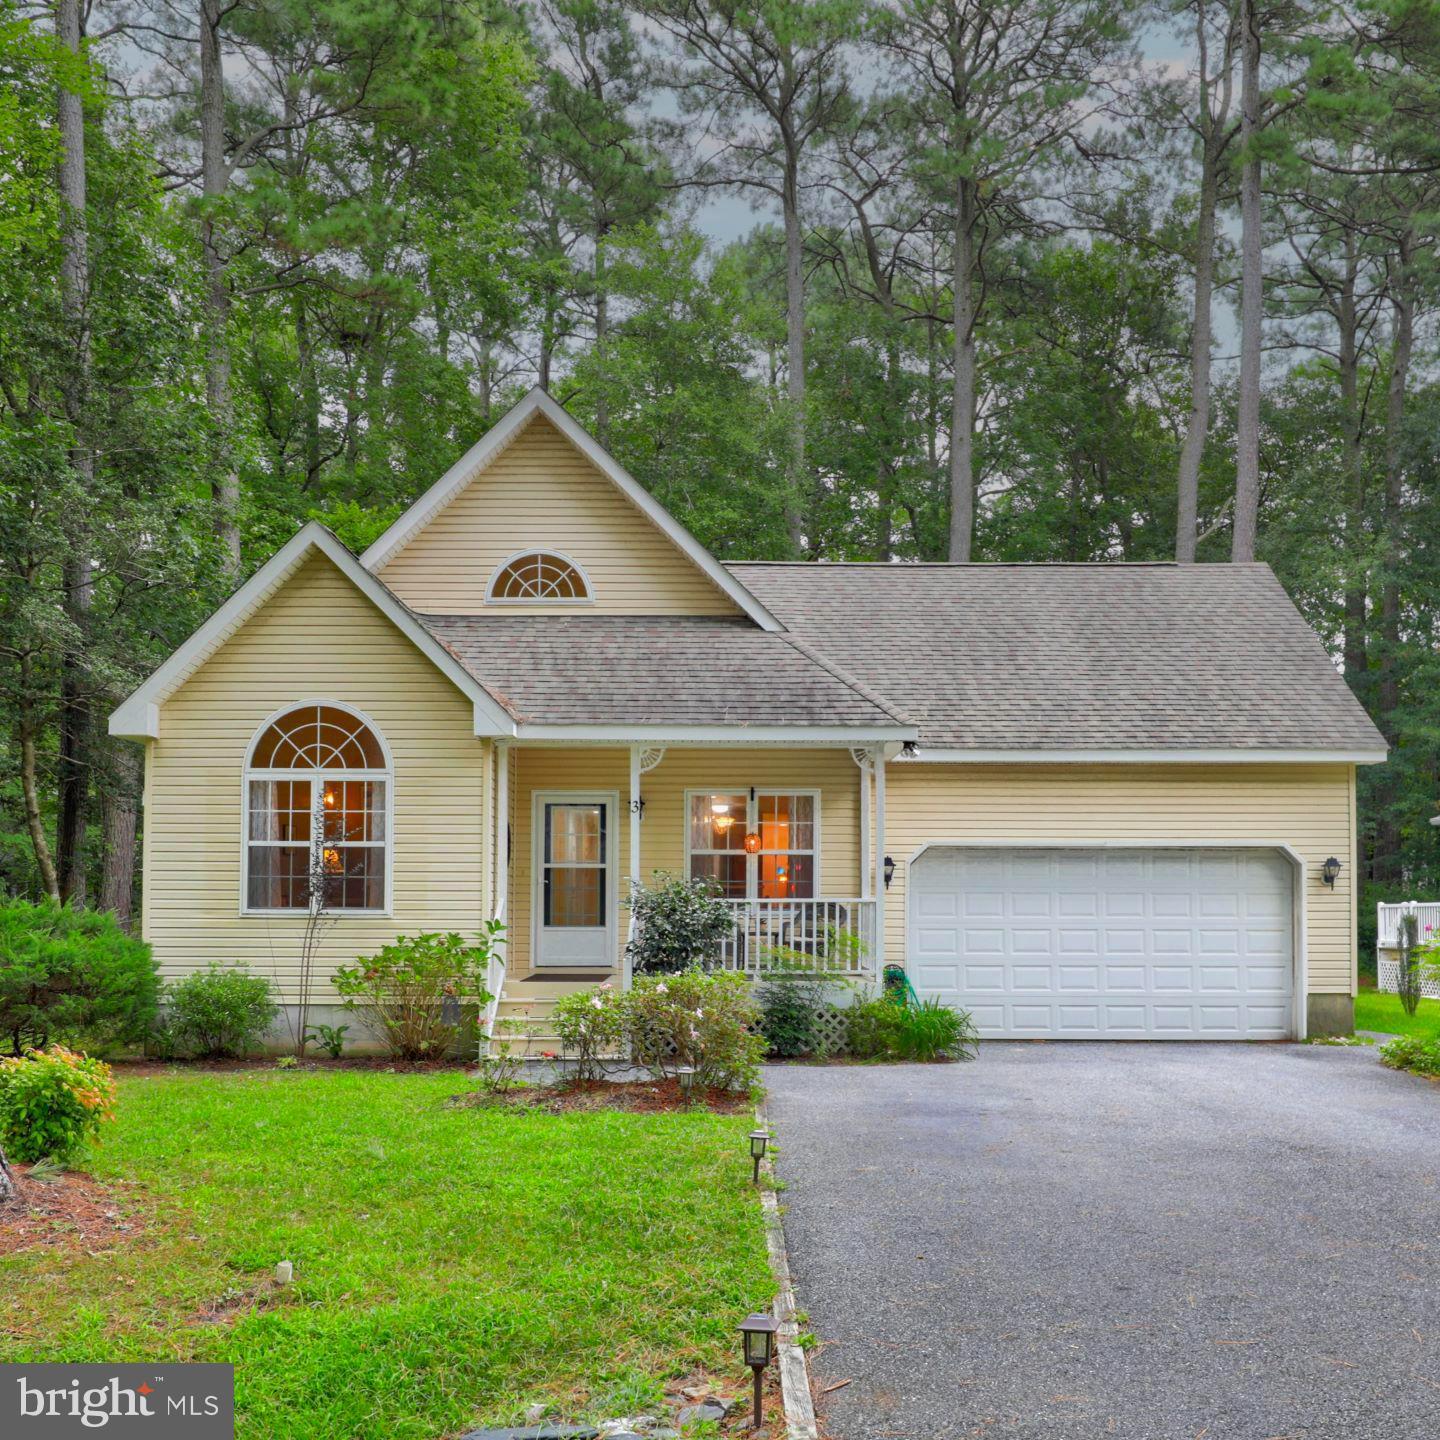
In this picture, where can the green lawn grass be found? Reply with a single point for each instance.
(451, 1265)
(1376, 1010)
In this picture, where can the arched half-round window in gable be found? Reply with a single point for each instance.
(539, 576)
(317, 795)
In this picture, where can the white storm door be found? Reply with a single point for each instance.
(574, 895)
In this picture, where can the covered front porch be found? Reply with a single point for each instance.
(792, 835)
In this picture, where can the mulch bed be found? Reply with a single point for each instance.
(68, 1210)
(636, 1097)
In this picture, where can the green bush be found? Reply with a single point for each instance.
(69, 974)
(791, 1007)
(708, 1021)
(409, 994)
(928, 1031)
(1415, 1053)
(220, 1011)
(678, 924)
(52, 1102)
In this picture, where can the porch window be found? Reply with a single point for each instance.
(787, 825)
(317, 787)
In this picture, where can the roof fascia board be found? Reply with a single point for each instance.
(714, 734)
(138, 716)
(1218, 756)
(475, 459)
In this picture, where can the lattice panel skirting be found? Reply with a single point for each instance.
(834, 1033)
(1389, 979)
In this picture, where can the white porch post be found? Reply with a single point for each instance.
(863, 760)
(502, 828)
(879, 764)
(635, 758)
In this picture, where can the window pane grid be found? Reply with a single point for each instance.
(539, 576)
(783, 865)
(346, 785)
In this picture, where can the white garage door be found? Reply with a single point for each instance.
(1107, 944)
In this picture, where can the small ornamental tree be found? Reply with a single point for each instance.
(678, 924)
(68, 974)
(1410, 959)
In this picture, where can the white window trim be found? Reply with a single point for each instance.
(249, 773)
(538, 801)
(752, 820)
(491, 598)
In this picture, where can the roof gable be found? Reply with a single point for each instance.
(659, 567)
(138, 716)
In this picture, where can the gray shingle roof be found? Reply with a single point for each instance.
(654, 670)
(1075, 657)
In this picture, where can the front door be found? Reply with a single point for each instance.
(575, 880)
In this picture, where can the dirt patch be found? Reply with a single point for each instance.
(68, 1210)
(639, 1097)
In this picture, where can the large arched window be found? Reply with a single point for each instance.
(317, 795)
(539, 576)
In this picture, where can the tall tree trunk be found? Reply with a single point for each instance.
(1401, 349)
(215, 181)
(798, 486)
(119, 807)
(9, 1191)
(962, 410)
(1197, 429)
(1356, 646)
(1247, 423)
(74, 736)
(602, 338)
(28, 729)
(309, 388)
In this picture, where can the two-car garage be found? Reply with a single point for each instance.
(1108, 943)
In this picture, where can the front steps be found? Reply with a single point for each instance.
(523, 1019)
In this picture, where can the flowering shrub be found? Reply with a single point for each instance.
(591, 1024)
(222, 1010)
(710, 1021)
(409, 994)
(52, 1102)
(1412, 1052)
(678, 923)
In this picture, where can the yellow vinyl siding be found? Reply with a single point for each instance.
(663, 830)
(541, 493)
(1310, 808)
(316, 638)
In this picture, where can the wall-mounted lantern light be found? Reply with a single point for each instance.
(759, 1333)
(889, 870)
(1330, 871)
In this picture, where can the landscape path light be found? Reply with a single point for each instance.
(759, 1333)
(759, 1139)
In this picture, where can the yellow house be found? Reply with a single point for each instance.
(1091, 801)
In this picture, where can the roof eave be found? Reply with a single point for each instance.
(1207, 755)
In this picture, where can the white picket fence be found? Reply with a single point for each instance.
(1387, 930)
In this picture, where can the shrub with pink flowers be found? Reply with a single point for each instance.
(52, 1103)
(706, 1020)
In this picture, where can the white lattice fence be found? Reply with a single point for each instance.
(1387, 956)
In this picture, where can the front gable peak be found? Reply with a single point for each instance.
(539, 493)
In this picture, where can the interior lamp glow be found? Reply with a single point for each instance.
(752, 843)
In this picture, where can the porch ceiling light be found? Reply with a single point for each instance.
(759, 1335)
(759, 1139)
(1330, 871)
(752, 843)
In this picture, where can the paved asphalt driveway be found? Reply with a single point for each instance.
(1140, 1241)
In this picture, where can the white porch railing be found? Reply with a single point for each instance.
(839, 935)
(1427, 912)
(1387, 940)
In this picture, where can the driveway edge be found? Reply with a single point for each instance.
(794, 1373)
